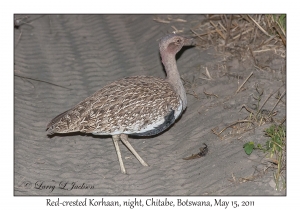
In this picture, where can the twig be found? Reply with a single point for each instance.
(268, 99)
(176, 30)
(248, 109)
(179, 20)
(210, 94)
(280, 32)
(198, 35)
(222, 26)
(265, 50)
(18, 22)
(193, 94)
(276, 103)
(240, 121)
(257, 67)
(251, 53)
(41, 81)
(207, 74)
(237, 36)
(19, 38)
(228, 29)
(263, 30)
(244, 82)
(264, 104)
(264, 42)
(161, 20)
(206, 33)
(282, 121)
(218, 31)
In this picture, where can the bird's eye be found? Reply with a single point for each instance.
(177, 41)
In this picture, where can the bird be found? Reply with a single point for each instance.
(136, 105)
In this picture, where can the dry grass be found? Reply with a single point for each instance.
(228, 31)
(245, 36)
(255, 118)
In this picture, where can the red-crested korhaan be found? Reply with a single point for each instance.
(138, 105)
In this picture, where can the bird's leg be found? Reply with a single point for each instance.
(124, 139)
(116, 138)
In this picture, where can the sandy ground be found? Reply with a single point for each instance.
(82, 53)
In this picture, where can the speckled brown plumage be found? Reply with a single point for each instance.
(140, 105)
(124, 106)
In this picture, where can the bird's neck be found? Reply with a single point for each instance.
(173, 77)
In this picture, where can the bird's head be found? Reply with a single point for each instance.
(172, 44)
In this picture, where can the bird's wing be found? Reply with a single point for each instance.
(124, 106)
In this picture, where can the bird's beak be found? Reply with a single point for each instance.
(189, 42)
